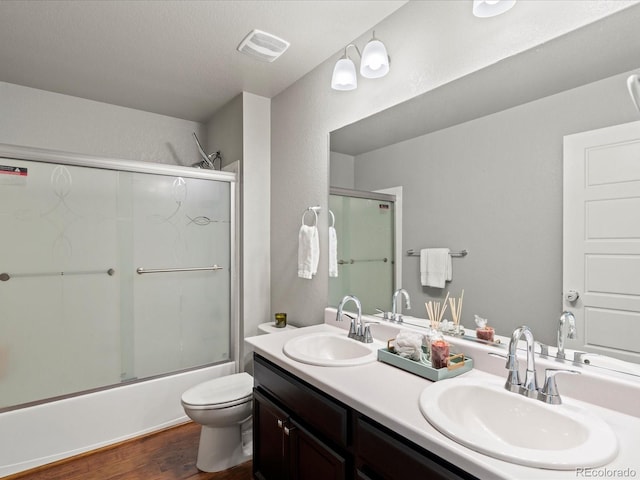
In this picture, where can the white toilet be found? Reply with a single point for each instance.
(223, 406)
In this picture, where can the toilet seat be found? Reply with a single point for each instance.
(223, 392)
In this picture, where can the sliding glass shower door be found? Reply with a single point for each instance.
(365, 231)
(109, 276)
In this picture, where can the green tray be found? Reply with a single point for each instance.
(426, 371)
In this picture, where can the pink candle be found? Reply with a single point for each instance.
(439, 354)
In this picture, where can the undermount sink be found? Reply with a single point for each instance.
(330, 350)
(485, 417)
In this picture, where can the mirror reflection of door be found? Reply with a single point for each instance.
(602, 239)
(364, 223)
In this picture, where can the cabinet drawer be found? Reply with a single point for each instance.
(321, 413)
(380, 454)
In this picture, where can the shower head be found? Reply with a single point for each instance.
(207, 161)
(633, 84)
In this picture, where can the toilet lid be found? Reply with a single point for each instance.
(230, 389)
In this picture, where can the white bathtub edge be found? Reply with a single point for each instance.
(34, 436)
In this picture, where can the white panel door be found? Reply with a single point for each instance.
(601, 244)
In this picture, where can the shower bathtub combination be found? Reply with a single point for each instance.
(112, 274)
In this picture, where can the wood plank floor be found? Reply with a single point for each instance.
(166, 455)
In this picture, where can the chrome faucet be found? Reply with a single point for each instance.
(529, 388)
(396, 317)
(566, 320)
(355, 329)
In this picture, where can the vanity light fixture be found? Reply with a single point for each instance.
(633, 85)
(491, 8)
(374, 63)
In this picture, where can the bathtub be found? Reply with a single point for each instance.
(45, 433)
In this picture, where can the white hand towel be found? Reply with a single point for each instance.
(308, 251)
(435, 267)
(333, 252)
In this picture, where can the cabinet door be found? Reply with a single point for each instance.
(311, 459)
(381, 455)
(270, 450)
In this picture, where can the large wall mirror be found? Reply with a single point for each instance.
(480, 165)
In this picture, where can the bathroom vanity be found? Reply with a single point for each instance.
(364, 422)
(300, 432)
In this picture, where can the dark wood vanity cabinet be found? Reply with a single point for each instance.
(383, 455)
(285, 450)
(298, 433)
(301, 433)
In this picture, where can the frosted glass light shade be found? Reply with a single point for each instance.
(344, 75)
(491, 8)
(375, 61)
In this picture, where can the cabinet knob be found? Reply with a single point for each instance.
(279, 423)
(288, 430)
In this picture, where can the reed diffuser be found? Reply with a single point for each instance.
(456, 314)
(439, 347)
(435, 312)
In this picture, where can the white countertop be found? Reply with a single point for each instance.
(389, 396)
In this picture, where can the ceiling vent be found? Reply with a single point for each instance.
(263, 46)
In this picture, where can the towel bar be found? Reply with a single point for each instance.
(5, 277)
(462, 253)
(141, 270)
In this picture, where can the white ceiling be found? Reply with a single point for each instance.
(172, 57)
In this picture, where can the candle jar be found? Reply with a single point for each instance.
(485, 333)
(281, 320)
(439, 354)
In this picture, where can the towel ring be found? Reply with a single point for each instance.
(333, 218)
(315, 214)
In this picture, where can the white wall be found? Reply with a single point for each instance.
(37, 118)
(427, 49)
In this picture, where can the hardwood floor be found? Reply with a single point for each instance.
(166, 455)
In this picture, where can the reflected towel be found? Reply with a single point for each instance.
(435, 267)
(333, 252)
(308, 251)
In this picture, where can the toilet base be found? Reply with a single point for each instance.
(221, 448)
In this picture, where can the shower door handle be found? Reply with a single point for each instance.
(141, 270)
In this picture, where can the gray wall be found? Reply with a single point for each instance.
(256, 223)
(494, 186)
(37, 118)
(342, 170)
(241, 130)
(426, 51)
(225, 133)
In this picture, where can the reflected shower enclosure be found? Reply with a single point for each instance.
(364, 223)
(109, 276)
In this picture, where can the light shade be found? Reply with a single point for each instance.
(491, 8)
(633, 84)
(375, 61)
(344, 75)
